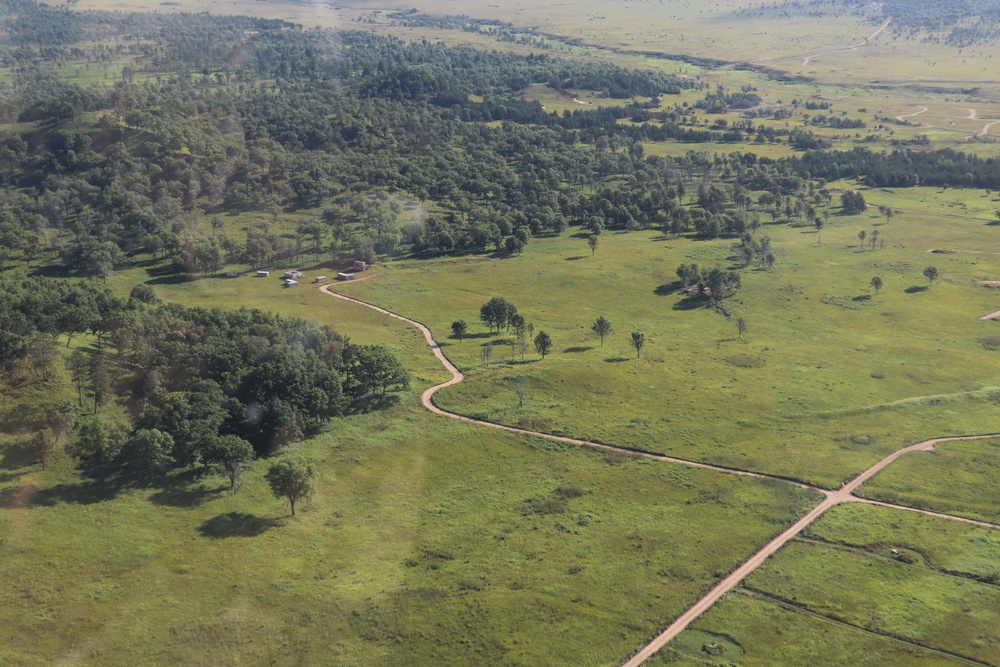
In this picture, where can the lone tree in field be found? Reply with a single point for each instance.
(543, 343)
(601, 327)
(741, 326)
(931, 273)
(819, 222)
(459, 329)
(887, 212)
(290, 477)
(233, 454)
(862, 235)
(592, 242)
(638, 340)
(876, 283)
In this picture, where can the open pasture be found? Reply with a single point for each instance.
(865, 585)
(829, 377)
(769, 633)
(957, 478)
(429, 541)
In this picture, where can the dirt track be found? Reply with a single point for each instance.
(843, 495)
(427, 399)
(816, 53)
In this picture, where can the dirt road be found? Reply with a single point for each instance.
(427, 399)
(852, 47)
(923, 109)
(843, 495)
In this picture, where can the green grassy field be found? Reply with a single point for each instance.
(435, 542)
(829, 378)
(958, 478)
(770, 634)
(950, 546)
(429, 541)
(851, 599)
(915, 603)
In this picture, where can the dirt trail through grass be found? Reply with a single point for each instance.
(843, 495)
(923, 109)
(852, 47)
(427, 398)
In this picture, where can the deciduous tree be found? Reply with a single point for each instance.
(876, 282)
(292, 478)
(543, 343)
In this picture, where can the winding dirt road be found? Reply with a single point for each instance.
(843, 495)
(427, 399)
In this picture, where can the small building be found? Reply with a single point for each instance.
(263, 274)
(320, 279)
(291, 283)
(292, 275)
(232, 274)
(359, 265)
(345, 276)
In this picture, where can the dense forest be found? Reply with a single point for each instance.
(207, 385)
(224, 115)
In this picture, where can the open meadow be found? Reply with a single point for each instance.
(866, 585)
(427, 540)
(437, 541)
(829, 377)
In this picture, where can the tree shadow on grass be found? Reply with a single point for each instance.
(691, 303)
(370, 403)
(234, 524)
(185, 495)
(916, 289)
(668, 288)
(573, 259)
(85, 493)
(16, 457)
(617, 360)
(580, 348)
(862, 297)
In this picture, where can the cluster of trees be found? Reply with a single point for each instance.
(853, 202)
(212, 387)
(715, 283)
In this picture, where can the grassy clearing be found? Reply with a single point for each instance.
(429, 541)
(897, 599)
(946, 545)
(841, 376)
(957, 478)
(770, 634)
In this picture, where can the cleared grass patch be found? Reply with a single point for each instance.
(957, 478)
(770, 634)
(789, 398)
(951, 546)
